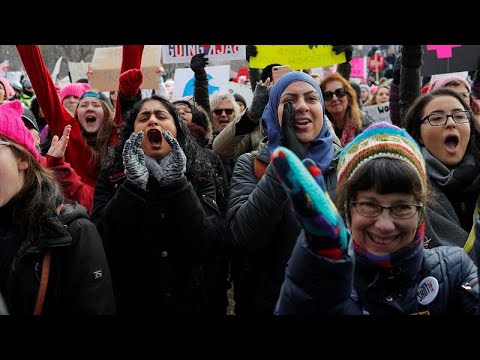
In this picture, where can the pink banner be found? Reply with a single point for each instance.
(358, 67)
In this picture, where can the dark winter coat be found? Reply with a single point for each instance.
(316, 285)
(156, 241)
(264, 231)
(79, 279)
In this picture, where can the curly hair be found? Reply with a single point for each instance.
(198, 164)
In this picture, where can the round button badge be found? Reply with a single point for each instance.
(427, 290)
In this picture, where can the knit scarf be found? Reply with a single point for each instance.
(348, 132)
(465, 177)
(394, 259)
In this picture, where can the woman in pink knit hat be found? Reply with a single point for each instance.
(6, 90)
(70, 94)
(52, 260)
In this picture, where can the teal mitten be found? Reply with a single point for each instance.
(304, 184)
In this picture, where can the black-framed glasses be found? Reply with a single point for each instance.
(4, 143)
(219, 112)
(400, 211)
(328, 95)
(439, 119)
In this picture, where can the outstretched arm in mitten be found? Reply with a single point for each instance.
(304, 184)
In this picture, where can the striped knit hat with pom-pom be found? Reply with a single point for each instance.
(381, 140)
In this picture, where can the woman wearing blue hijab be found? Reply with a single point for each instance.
(262, 225)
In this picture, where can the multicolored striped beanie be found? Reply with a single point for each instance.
(381, 140)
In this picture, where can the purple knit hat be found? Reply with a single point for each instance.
(12, 126)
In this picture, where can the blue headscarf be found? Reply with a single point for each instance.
(321, 148)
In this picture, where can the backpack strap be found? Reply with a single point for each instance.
(43, 283)
(259, 167)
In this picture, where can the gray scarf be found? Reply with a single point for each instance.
(465, 177)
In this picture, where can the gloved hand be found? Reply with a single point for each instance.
(315, 211)
(250, 50)
(172, 167)
(396, 70)
(134, 160)
(412, 56)
(348, 49)
(129, 82)
(198, 63)
(259, 101)
(288, 138)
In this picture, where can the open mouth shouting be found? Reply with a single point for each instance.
(154, 138)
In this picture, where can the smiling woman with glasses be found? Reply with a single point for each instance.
(380, 264)
(443, 124)
(341, 107)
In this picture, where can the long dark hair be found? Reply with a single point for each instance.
(198, 163)
(412, 119)
(36, 202)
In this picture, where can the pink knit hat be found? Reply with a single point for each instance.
(9, 92)
(12, 126)
(441, 82)
(75, 89)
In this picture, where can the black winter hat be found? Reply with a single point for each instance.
(240, 98)
(29, 120)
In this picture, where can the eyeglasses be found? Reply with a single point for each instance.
(439, 119)
(371, 210)
(4, 143)
(328, 95)
(219, 112)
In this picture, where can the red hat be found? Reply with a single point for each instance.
(12, 126)
(75, 89)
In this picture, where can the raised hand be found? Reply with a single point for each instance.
(198, 63)
(129, 82)
(250, 50)
(259, 101)
(173, 166)
(59, 146)
(134, 160)
(304, 184)
(347, 49)
(288, 138)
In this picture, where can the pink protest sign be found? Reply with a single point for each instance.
(358, 67)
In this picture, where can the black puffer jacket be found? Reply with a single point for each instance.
(79, 281)
(315, 285)
(264, 231)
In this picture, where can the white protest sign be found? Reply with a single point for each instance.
(78, 70)
(379, 112)
(174, 54)
(241, 89)
(184, 81)
(56, 69)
